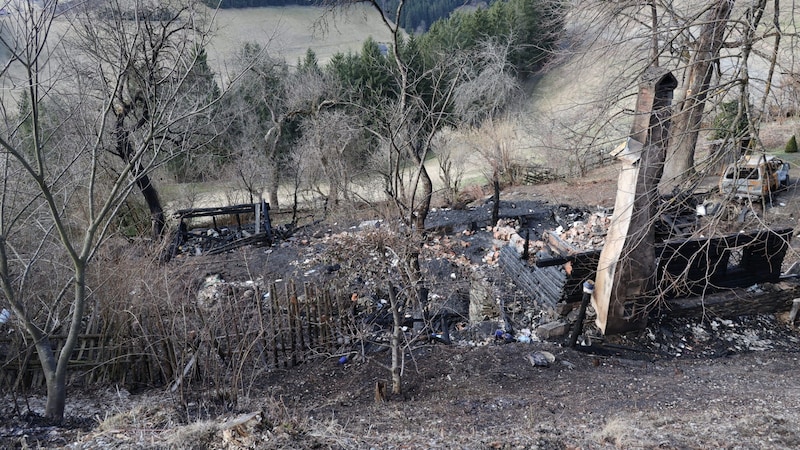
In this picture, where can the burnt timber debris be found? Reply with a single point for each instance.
(686, 269)
(625, 267)
(634, 272)
(231, 227)
(536, 174)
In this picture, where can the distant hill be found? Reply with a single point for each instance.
(289, 31)
(225, 4)
(417, 15)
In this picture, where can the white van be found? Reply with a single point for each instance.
(754, 176)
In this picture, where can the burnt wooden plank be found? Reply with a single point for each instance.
(248, 208)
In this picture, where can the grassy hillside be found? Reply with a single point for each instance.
(584, 101)
(289, 31)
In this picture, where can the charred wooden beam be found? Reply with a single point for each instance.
(248, 208)
(765, 298)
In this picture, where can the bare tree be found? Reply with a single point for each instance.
(452, 166)
(145, 51)
(331, 140)
(688, 113)
(65, 180)
(719, 50)
(494, 143)
(267, 106)
(429, 92)
(489, 83)
(405, 125)
(408, 124)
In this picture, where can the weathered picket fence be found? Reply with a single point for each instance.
(246, 330)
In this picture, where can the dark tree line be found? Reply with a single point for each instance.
(530, 28)
(418, 16)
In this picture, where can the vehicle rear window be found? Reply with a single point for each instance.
(742, 174)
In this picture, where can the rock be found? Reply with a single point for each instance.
(552, 329)
(541, 358)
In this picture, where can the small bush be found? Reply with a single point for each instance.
(791, 146)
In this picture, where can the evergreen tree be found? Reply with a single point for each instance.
(200, 89)
(791, 146)
(534, 26)
(309, 63)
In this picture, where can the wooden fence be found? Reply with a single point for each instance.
(248, 330)
(578, 165)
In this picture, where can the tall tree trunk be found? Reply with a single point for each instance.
(56, 390)
(125, 151)
(57, 379)
(688, 113)
(150, 194)
(274, 184)
(396, 341)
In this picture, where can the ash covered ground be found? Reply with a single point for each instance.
(700, 382)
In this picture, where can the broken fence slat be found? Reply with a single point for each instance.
(309, 321)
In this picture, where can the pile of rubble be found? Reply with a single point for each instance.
(714, 337)
(579, 235)
(586, 235)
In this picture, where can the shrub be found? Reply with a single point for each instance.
(791, 146)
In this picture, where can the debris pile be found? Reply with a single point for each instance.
(715, 337)
(589, 234)
(579, 235)
(506, 232)
(462, 273)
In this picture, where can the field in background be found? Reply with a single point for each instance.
(291, 30)
(569, 93)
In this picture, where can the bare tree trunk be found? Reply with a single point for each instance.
(275, 182)
(125, 152)
(688, 114)
(396, 341)
(424, 206)
(57, 379)
(150, 194)
(295, 199)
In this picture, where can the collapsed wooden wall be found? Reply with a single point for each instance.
(687, 271)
